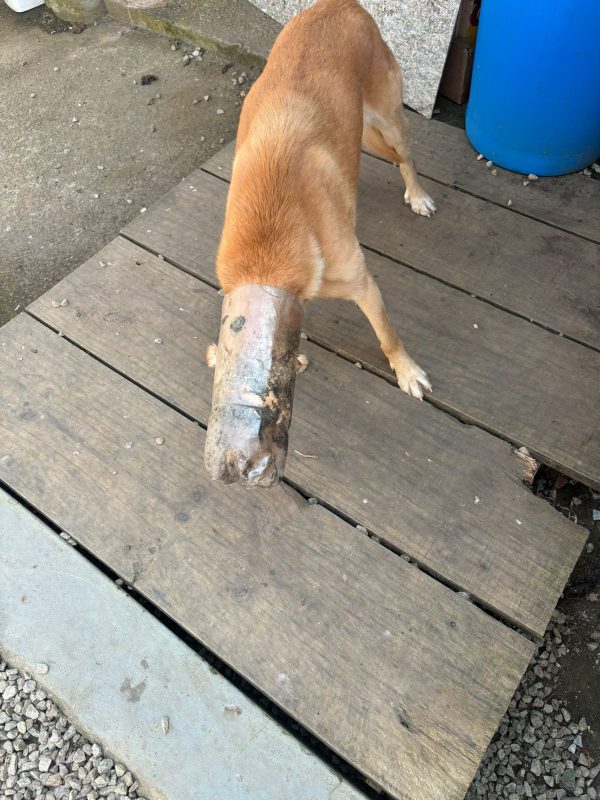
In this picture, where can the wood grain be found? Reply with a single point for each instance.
(505, 375)
(397, 673)
(447, 494)
(517, 263)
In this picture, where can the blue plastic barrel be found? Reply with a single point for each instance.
(535, 95)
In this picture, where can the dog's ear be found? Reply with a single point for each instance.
(211, 355)
(301, 362)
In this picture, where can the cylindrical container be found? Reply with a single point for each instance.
(534, 105)
(253, 392)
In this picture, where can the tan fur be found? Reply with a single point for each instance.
(330, 83)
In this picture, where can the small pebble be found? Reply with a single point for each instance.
(41, 669)
(532, 177)
(220, 111)
(480, 157)
(160, 440)
(164, 724)
(44, 764)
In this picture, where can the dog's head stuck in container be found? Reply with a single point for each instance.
(255, 371)
(289, 233)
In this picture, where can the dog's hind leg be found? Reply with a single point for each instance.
(385, 130)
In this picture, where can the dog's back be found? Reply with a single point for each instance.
(298, 148)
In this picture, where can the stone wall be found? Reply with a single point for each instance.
(418, 32)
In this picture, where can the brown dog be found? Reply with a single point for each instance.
(330, 83)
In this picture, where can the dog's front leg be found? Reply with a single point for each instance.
(353, 281)
(411, 378)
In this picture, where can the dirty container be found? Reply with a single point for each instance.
(535, 94)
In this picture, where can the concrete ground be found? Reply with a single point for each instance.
(84, 148)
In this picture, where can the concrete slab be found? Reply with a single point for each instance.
(57, 206)
(116, 671)
(234, 29)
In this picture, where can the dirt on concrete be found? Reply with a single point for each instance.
(85, 146)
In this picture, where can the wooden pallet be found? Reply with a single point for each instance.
(378, 655)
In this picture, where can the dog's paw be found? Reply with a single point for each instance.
(301, 363)
(420, 203)
(211, 355)
(411, 378)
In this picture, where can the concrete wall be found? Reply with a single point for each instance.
(418, 31)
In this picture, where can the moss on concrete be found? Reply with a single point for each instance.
(234, 29)
(77, 10)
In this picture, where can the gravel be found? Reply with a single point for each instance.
(539, 749)
(43, 756)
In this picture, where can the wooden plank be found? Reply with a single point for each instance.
(397, 673)
(443, 152)
(379, 453)
(506, 375)
(520, 264)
